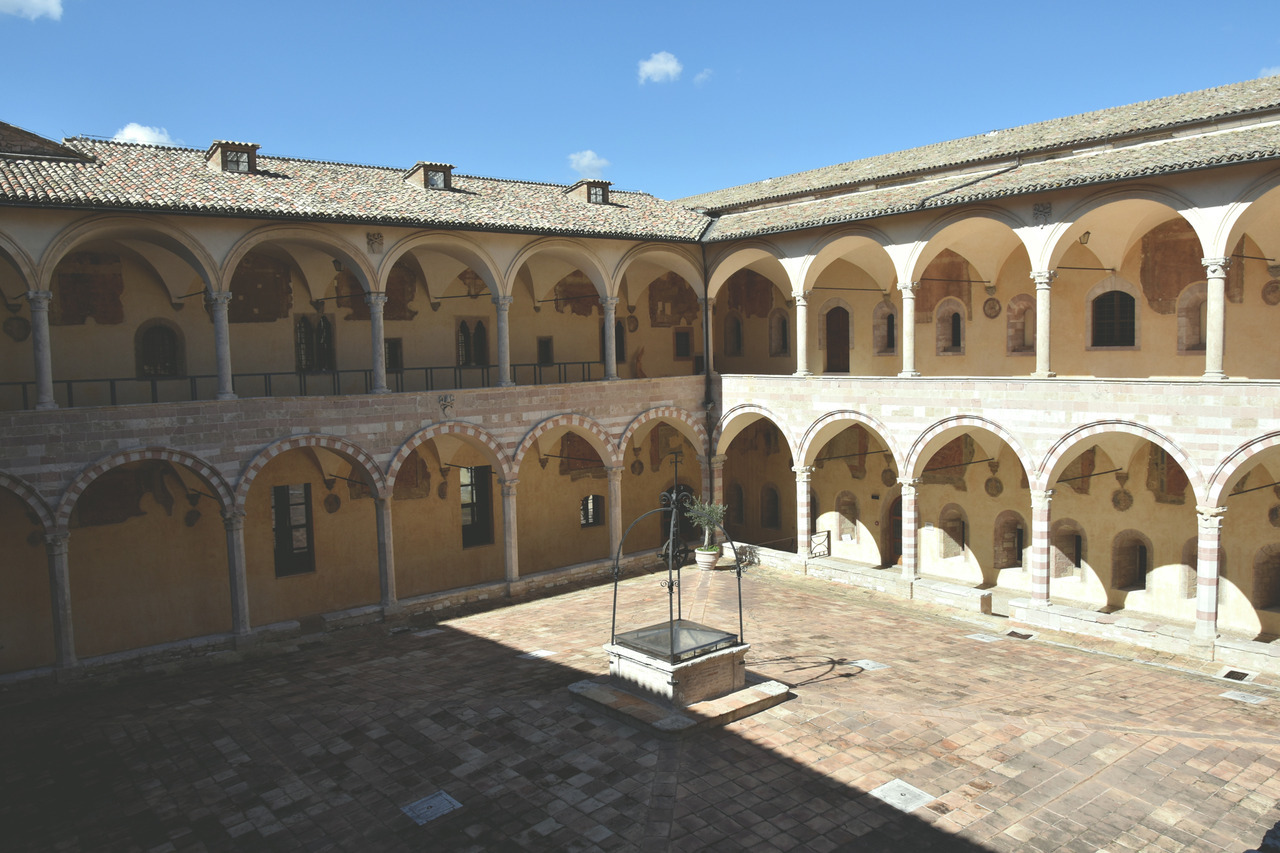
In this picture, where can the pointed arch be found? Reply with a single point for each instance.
(26, 493)
(570, 252)
(833, 423)
(1238, 460)
(107, 226)
(941, 432)
(456, 246)
(738, 418)
(676, 258)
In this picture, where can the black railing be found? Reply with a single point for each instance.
(69, 393)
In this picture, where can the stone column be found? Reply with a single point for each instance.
(503, 305)
(716, 479)
(802, 335)
(908, 335)
(1215, 316)
(707, 351)
(804, 474)
(41, 348)
(1041, 545)
(1043, 279)
(386, 555)
(509, 542)
(64, 641)
(1208, 549)
(218, 303)
(613, 506)
(377, 335)
(910, 523)
(610, 337)
(233, 521)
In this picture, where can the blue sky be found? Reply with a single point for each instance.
(672, 98)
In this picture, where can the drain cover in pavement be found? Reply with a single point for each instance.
(901, 796)
(868, 664)
(1241, 696)
(984, 638)
(540, 653)
(430, 808)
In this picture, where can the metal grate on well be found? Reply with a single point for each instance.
(429, 808)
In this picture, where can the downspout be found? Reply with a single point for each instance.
(708, 401)
(1016, 163)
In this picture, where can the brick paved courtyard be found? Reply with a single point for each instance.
(1023, 745)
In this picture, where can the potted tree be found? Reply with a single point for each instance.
(708, 516)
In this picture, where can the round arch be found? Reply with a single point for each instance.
(29, 496)
(1234, 464)
(1068, 230)
(740, 256)
(595, 434)
(210, 475)
(965, 232)
(569, 252)
(681, 419)
(832, 424)
(928, 442)
(1061, 449)
(313, 237)
(675, 258)
(739, 418)
(456, 246)
(481, 438)
(1232, 220)
(21, 260)
(351, 452)
(861, 241)
(106, 226)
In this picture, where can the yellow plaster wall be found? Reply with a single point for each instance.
(548, 528)
(150, 579)
(829, 479)
(641, 492)
(1246, 528)
(752, 468)
(346, 548)
(26, 621)
(427, 533)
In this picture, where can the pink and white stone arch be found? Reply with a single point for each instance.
(351, 452)
(598, 437)
(193, 463)
(1065, 445)
(458, 429)
(681, 419)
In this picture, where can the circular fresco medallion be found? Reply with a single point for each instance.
(994, 486)
(1121, 499)
(17, 328)
(888, 477)
(442, 491)
(1271, 292)
(1274, 516)
(991, 308)
(331, 503)
(633, 323)
(637, 467)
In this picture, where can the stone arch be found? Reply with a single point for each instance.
(739, 417)
(1132, 557)
(23, 490)
(1006, 553)
(21, 261)
(105, 226)
(595, 434)
(1062, 448)
(965, 232)
(1235, 463)
(680, 262)
(684, 421)
(923, 448)
(211, 475)
(1067, 230)
(311, 236)
(481, 437)
(740, 256)
(568, 251)
(860, 239)
(1230, 222)
(351, 452)
(831, 424)
(456, 246)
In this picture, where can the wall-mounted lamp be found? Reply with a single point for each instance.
(1084, 239)
(337, 265)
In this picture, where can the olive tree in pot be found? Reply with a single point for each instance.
(708, 516)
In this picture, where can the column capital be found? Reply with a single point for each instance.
(233, 519)
(609, 302)
(39, 299)
(803, 472)
(718, 461)
(613, 472)
(909, 484)
(218, 297)
(802, 298)
(374, 299)
(1216, 267)
(508, 487)
(1040, 498)
(1043, 278)
(503, 302)
(908, 288)
(1210, 517)
(57, 542)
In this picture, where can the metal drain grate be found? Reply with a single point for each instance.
(867, 664)
(900, 795)
(1018, 635)
(430, 808)
(1241, 696)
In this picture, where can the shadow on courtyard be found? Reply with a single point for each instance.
(319, 749)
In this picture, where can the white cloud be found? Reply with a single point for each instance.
(1269, 72)
(703, 76)
(32, 9)
(134, 132)
(588, 164)
(662, 67)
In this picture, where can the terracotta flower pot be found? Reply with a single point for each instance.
(707, 560)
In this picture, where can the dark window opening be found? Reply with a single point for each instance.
(1114, 320)
(890, 333)
(770, 509)
(546, 351)
(394, 351)
(476, 496)
(956, 327)
(291, 523)
(683, 343)
(159, 352)
(591, 511)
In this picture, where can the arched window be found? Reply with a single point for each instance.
(770, 508)
(779, 334)
(884, 329)
(1113, 315)
(1010, 541)
(1068, 551)
(949, 327)
(464, 344)
(837, 340)
(1020, 325)
(158, 351)
(1130, 560)
(955, 531)
(733, 335)
(480, 345)
(1192, 307)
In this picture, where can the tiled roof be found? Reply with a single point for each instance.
(133, 177)
(1260, 142)
(1207, 105)
(16, 142)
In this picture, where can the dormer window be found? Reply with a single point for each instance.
(238, 157)
(592, 191)
(596, 194)
(431, 176)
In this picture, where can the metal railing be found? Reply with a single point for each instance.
(70, 393)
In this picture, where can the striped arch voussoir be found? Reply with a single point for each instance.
(1074, 438)
(340, 446)
(967, 422)
(460, 429)
(577, 423)
(1236, 462)
(29, 496)
(665, 413)
(210, 475)
(751, 409)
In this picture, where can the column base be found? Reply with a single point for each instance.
(227, 395)
(507, 384)
(803, 373)
(1048, 374)
(1213, 376)
(380, 391)
(41, 407)
(1037, 602)
(908, 374)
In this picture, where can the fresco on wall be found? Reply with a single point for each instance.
(89, 284)
(750, 294)
(260, 290)
(947, 467)
(413, 482)
(1165, 478)
(576, 294)
(947, 275)
(1172, 258)
(578, 458)
(1078, 475)
(849, 448)
(116, 496)
(672, 302)
(402, 287)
